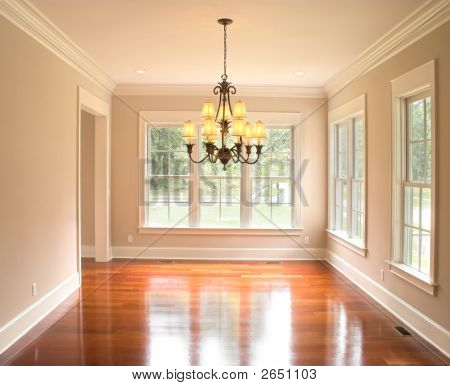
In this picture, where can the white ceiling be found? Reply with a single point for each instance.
(179, 41)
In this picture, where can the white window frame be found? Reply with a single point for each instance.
(353, 109)
(414, 82)
(176, 119)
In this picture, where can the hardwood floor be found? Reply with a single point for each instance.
(209, 313)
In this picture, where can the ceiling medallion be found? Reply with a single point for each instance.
(231, 121)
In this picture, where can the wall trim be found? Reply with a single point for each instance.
(205, 90)
(424, 20)
(24, 15)
(13, 330)
(428, 329)
(190, 253)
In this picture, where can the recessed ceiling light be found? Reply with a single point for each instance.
(140, 71)
(299, 73)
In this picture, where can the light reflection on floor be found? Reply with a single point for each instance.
(230, 314)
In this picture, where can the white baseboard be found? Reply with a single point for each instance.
(28, 318)
(88, 251)
(178, 253)
(410, 316)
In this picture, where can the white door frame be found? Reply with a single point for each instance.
(102, 112)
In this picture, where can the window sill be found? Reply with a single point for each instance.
(347, 242)
(412, 276)
(221, 231)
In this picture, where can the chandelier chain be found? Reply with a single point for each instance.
(225, 50)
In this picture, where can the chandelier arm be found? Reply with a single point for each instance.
(229, 99)
(254, 161)
(235, 157)
(216, 157)
(244, 160)
(220, 99)
(200, 161)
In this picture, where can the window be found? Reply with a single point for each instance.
(220, 197)
(347, 174)
(181, 194)
(413, 177)
(167, 177)
(417, 184)
(272, 181)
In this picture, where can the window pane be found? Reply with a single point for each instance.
(358, 196)
(341, 193)
(428, 117)
(342, 150)
(210, 214)
(281, 165)
(281, 191)
(412, 206)
(209, 169)
(341, 218)
(358, 164)
(159, 138)
(230, 189)
(425, 253)
(261, 190)
(416, 161)
(281, 215)
(160, 164)
(179, 165)
(358, 148)
(231, 215)
(261, 215)
(209, 190)
(427, 178)
(176, 142)
(357, 225)
(411, 247)
(179, 190)
(416, 116)
(158, 214)
(179, 214)
(262, 167)
(358, 133)
(278, 140)
(426, 209)
(159, 190)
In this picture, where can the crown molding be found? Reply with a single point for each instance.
(206, 90)
(421, 22)
(29, 19)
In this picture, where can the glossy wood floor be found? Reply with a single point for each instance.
(204, 313)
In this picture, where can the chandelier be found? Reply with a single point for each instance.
(226, 125)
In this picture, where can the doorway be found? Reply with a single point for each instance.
(93, 182)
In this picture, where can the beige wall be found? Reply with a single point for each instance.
(125, 143)
(377, 88)
(38, 166)
(87, 178)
